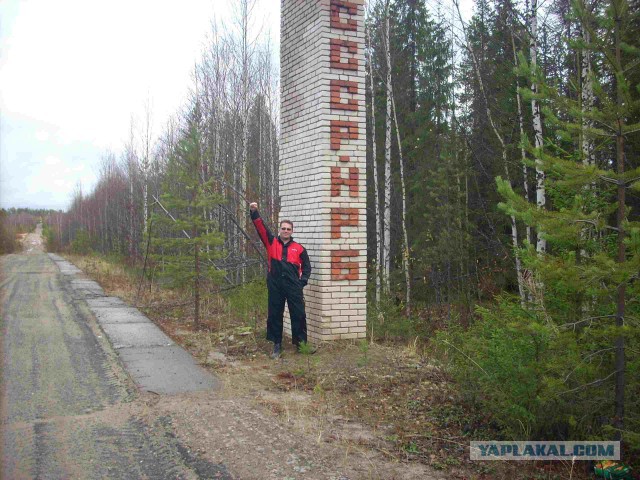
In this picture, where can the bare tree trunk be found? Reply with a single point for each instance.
(541, 243)
(273, 181)
(275, 167)
(244, 170)
(586, 94)
(131, 227)
(146, 162)
(245, 10)
(131, 168)
(386, 245)
(376, 188)
(405, 235)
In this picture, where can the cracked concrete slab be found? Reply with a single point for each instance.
(167, 370)
(66, 268)
(105, 302)
(135, 335)
(88, 286)
(124, 314)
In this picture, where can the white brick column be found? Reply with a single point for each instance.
(323, 158)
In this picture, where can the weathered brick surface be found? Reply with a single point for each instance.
(350, 180)
(322, 154)
(340, 89)
(344, 54)
(342, 130)
(338, 20)
(343, 217)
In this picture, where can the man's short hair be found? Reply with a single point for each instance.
(286, 221)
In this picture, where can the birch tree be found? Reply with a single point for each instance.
(586, 86)
(245, 10)
(145, 163)
(374, 165)
(541, 244)
(386, 211)
(131, 161)
(403, 218)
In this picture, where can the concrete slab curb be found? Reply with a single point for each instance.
(121, 314)
(153, 360)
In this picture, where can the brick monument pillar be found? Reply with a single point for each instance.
(323, 158)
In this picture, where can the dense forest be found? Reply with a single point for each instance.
(503, 196)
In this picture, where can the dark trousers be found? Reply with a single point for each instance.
(279, 292)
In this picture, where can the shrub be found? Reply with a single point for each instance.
(248, 302)
(387, 320)
(81, 245)
(536, 378)
(499, 364)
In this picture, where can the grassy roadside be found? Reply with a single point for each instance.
(409, 406)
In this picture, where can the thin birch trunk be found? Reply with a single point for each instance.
(131, 167)
(386, 248)
(586, 96)
(246, 7)
(586, 144)
(272, 177)
(541, 243)
(145, 166)
(376, 188)
(196, 283)
(405, 251)
(131, 209)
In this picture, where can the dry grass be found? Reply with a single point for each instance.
(392, 399)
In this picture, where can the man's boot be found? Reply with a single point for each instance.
(277, 351)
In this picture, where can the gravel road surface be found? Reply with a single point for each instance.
(69, 410)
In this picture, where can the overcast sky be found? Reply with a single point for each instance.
(73, 73)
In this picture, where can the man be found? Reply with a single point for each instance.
(289, 270)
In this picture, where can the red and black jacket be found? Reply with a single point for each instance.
(290, 260)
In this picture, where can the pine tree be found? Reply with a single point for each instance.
(186, 240)
(593, 234)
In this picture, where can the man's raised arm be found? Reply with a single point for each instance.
(265, 235)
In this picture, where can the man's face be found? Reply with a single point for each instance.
(286, 230)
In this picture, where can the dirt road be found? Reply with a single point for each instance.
(68, 409)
